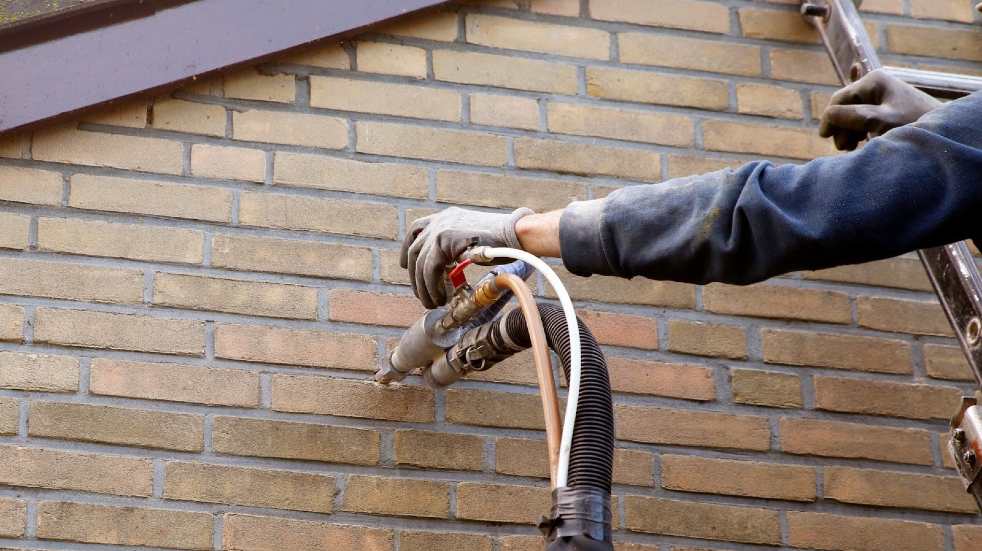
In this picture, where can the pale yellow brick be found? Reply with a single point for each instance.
(947, 43)
(384, 98)
(256, 343)
(397, 496)
(322, 215)
(59, 470)
(13, 517)
(252, 533)
(799, 143)
(547, 38)
(113, 425)
(440, 26)
(9, 420)
(556, 7)
(391, 59)
(690, 53)
(679, 14)
(138, 242)
(328, 56)
(443, 541)
(40, 372)
(769, 101)
(951, 10)
(499, 190)
(250, 84)
(175, 383)
(290, 128)
(119, 331)
(802, 66)
(30, 185)
(211, 86)
(16, 146)
(289, 256)
(784, 25)
(11, 322)
(438, 144)
(306, 441)
(150, 197)
(577, 158)
(620, 124)
(89, 523)
(235, 296)
(649, 87)
(249, 487)
(338, 174)
(234, 163)
(510, 111)
(65, 280)
(66, 145)
(684, 165)
(504, 71)
(350, 398)
(187, 116)
(132, 114)
(14, 229)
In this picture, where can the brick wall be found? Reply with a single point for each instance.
(195, 291)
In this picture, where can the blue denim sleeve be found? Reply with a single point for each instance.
(916, 186)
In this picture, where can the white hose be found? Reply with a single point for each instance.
(575, 360)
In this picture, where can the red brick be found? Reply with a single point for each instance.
(373, 308)
(691, 382)
(175, 383)
(621, 329)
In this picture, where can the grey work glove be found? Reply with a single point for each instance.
(437, 240)
(870, 107)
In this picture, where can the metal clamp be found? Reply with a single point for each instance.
(965, 446)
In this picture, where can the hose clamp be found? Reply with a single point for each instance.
(578, 512)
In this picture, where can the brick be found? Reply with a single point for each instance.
(772, 301)
(834, 351)
(256, 343)
(946, 43)
(385, 98)
(636, 291)
(966, 537)
(692, 428)
(373, 308)
(690, 382)
(894, 489)
(186, 116)
(682, 165)
(70, 281)
(288, 256)
(16, 146)
(175, 383)
(132, 241)
(886, 398)
(618, 124)
(783, 25)
(250, 84)
(253, 533)
(951, 10)
(60, 470)
(441, 26)
(337, 174)
(522, 543)
(210, 86)
(555, 7)
(11, 322)
(521, 457)
(883, 6)
(946, 362)
(547, 38)
(765, 388)
(494, 409)
(290, 128)
(707, 339)
(119, 331)
(113, 425)
(765, 140)
(293, 212)
(900, 273)
(438, 450)
(684, 14)
(855, 441)
(663, 89)
(504, 71)
(9, 416)
(328, 56)
(587, 159)
(304, 441)
(501, 190)
(701, 520)
(501, 503)
(819, 103)
(436, 144)
(689, 53)
(621, 329)
(802, 66)
(396, 496)
(237, 486)
(14, 229)
(769, 101)
(903, 316)
(738, 478)
(351, 398)
(38, 372)
(446, 541)
(235, 296)
(618, 546)
(150, 197)
(13, 518)
(837, 532)
(510, 111)
(231, 163)
(87, 523)
(517, 370)
(392, 59)
(30, 185)
(132, 114)
(66, 145)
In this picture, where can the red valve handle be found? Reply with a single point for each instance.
(456, 275)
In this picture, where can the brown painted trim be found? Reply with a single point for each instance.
(165, 46)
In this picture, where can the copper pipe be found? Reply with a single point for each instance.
(543, 366)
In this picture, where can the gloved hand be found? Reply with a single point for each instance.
(870, 107)
(435, 241)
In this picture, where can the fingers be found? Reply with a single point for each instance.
(412, 233)
(433, 270)
(417, 273)
(412, 260)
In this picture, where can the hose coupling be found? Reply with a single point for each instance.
(579, 520)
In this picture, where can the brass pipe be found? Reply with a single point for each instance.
(543, 366)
